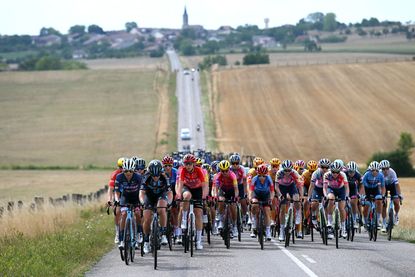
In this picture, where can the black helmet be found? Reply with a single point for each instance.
(155, 167)
(140, 163)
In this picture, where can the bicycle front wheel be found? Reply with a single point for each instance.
(127, 243)
(390, 224)
(154, 240)
(260, 230)
(192, 234)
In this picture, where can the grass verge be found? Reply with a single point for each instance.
(173, 113)
(208, 117)
(69, 251)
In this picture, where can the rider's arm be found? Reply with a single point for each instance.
(325, 184)
(346, 183)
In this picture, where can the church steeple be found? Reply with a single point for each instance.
(185, 19)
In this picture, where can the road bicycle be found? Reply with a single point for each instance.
(391, 216)
(372, 221)
(130, 236)
(289, 224)
(322, 222)
(227, 222)
(190, 230)
(349, 221)
(207, 220)
(261, 222)
(155, 235)
(337, 227)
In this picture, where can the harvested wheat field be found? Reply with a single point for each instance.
(337, 111)
(407, 214)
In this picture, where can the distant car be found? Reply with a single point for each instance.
(186, 72)
(193, 70)
(185, 134)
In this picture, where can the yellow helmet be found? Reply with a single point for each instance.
(199, 161)
(120, 162)
(252, 172)
(275, 162)
(312, 165)
(258, 161)
(224, 165)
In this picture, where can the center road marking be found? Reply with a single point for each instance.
(295, 260)
(310, 260)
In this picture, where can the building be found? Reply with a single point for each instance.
(185, 19)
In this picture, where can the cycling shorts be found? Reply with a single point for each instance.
(317, 194)
(197, 194)
(339, 192)
(392, 190)
(227, 194)
(151, 200)
(373, 191)
(241, 189)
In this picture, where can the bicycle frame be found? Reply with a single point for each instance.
(129, 236)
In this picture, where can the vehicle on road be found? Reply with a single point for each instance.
(185, 134)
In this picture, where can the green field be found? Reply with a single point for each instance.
(78, 118)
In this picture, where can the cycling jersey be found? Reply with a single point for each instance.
(335, 182)
(226, 182)
(192, 179)
(172, 177)
(317, 178)
(289, 179)
(306, 178)
(354, 182)
(370, 181)
(155, 187)
(390, 177)
(129, 189)
(114, 174)
(240, 173)
(261, 188)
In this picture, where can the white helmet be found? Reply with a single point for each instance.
(336, 166)
(324, 162)
(128, 164)
(384, 164)
(339, 161)
(374, 166)
(287, 164)
(352, 166)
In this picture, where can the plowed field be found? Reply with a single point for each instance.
(338, 111)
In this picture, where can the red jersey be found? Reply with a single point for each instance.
(113, 176)
(193, 179)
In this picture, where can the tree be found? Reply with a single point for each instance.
(130, 25)
(77, 29)
(329, 23)
(95, 29)
(405, 142)
(315, 17)
(49, 31)
(187, 48)
(385, 31)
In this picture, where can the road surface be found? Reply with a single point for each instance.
(189, 106)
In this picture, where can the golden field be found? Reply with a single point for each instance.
(345, 111)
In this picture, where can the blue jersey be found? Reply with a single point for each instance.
(172, 177)
(128, 188)
(370, 181)
(260, 188)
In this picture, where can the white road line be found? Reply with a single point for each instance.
(295, 260)
(310, 260)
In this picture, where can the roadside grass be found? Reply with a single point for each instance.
(406, 228)
(70, 249)
(208, 114)
(173, 114)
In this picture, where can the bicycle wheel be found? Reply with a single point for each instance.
(348, 228)
(227, 232)
(208, 228)
(154, 240)
(375, 229)
(288, 229)
(336, 227)
(127, 243)
(238, 222)
(261, 229)
(169, 231)
(390, 223)
(293, 227)
(133, 240)
(192, 235)
(323, 227)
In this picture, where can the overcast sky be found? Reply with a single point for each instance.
(29, 16)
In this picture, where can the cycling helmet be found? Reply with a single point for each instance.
(374, 166)
(262, 169)
(140, 164)
(312, 165)
(155, 167)
(235, 159)
(258, 161)
(176, 164)
(189, 158)
(199, 162)
(339, 161)
(384, 164)
(299, 164)
(167, 160)
(214, 165)
(134, 158)
(336, 166)
(120, 161)
(352, 166)
(128, 164)
(224, 165)
(275, 162)
(207, 167)
(324, 162)
(287, 164)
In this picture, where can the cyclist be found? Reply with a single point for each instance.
(391, 185)
(227, 189)
(261, 189)
(155, 192)
(111, 184)
(171, 174)
(311, 167)
(299, 166)
(335, 184)
(288, 182)
(251, 174)
(315, 191)
(274, 168)
(239, 171)
(127, 186)
(373, 184)
(192, 185)
(355, 182)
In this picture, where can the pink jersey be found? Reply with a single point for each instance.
(335, 182)
(240, 174)
(288, 179)
(226, 182)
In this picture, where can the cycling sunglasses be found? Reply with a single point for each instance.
(335, 171)
(188, 163)
(225, 171)
(235, 163)
(287, 170)
(128, 171)
(168, 165)
(262, 176)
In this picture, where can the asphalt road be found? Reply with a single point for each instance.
(189, 105)
(359, 258)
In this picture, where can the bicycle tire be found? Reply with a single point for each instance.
(293, 228)
(288, 229)
(142, 248)
(323, 226)
(238, 222)
(302, 221)
(336, 227)
(208, 225)
(133, 240)
(169, 231)
(261, 232)
(127, 242)
(191, 233)
(154, 240)
(227, 228)
(390, 223)
(375, 229)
